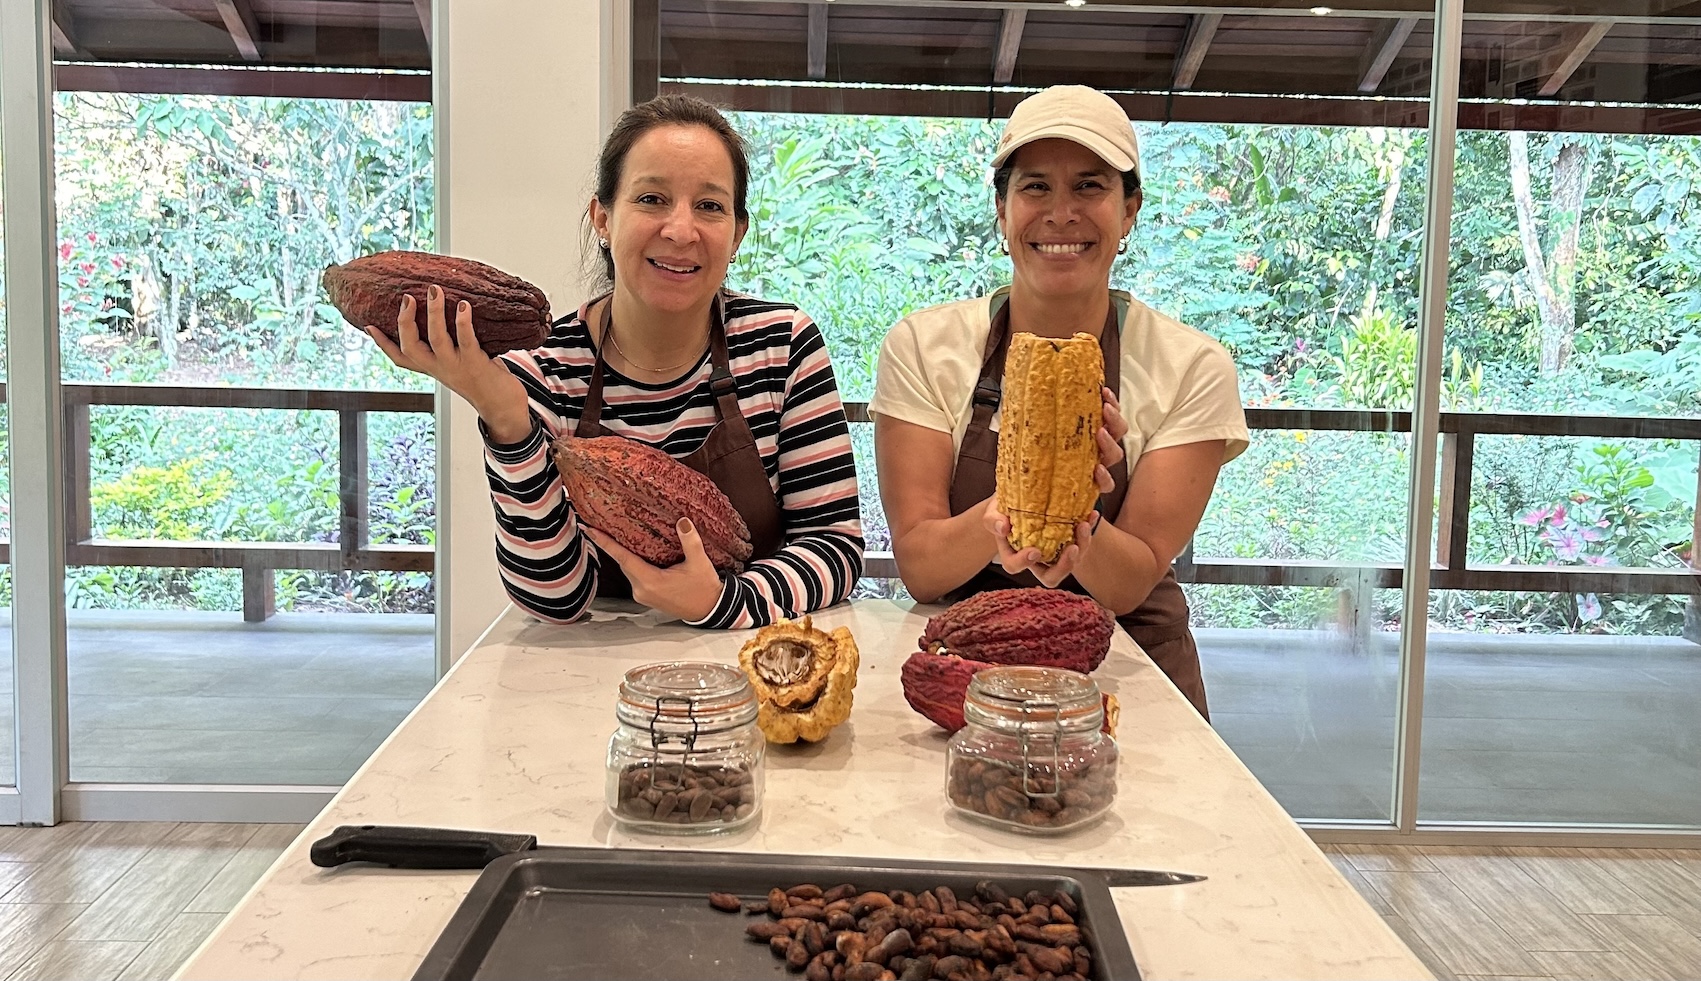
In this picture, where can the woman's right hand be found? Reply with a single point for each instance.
(464, 368)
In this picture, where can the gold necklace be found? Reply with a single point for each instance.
(609, 335)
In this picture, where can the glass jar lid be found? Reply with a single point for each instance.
(685, 698)
(1029, 699)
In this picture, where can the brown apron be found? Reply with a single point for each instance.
(1159, 625)
(728, 456)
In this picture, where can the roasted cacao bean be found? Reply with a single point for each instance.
(673, 793)
(1045, 800)
(842, 891)
(726, 902)
(766, 930)
(816, 932)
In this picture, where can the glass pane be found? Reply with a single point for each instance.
(8, 697)
(1564, 631)
(193, 231)
(1296, 246)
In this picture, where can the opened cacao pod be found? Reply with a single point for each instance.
(803, 679)
(636, 495)
(1048, 439)
(508, 313)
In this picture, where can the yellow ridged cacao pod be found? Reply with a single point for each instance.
(1047, 440)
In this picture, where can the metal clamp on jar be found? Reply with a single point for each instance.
(687, 757)
(1033, 756)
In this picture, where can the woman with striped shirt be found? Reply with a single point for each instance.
(736, 387)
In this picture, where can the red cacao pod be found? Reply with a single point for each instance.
(508, 313)
(935, 685)
(636, 494)
(1024, 626)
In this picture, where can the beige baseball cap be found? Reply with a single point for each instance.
(1072, 112)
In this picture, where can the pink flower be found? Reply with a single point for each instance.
(1567, 544)
(87, 267)
(65, 308)
(93, 238)
(82, 281)
(64, 251)
(1536, 517)
(118, 262)
(1559, 512)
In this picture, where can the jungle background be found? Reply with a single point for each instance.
(193, 231)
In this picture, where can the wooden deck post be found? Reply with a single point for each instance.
(1454, 521)
(1692, 612)
(259, 592)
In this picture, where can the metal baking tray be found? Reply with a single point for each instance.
(570, 913)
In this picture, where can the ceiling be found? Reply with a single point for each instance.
(1367, 56)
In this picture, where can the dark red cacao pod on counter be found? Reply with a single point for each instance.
(508, 313)
(1046, 627)
(636, 494)
(935, 685)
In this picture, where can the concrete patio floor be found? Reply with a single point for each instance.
(1528, 729)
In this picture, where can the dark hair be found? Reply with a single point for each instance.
(663, 110)
(1001, 179)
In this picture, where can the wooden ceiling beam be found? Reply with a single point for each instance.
(1576, 42)
(1385, 46)
(1009, 43)
(65, 33)
(238, 16)
(1200, 29)
(818, 40)
(423, 9)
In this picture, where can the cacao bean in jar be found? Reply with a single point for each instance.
(687, 756)
(1031, 756)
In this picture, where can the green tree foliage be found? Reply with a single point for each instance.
(193, 230)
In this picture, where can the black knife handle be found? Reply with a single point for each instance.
(416, 848)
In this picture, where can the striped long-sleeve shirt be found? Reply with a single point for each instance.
(791, 403)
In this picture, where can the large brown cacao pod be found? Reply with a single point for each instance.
(1048, 439)
(636, 494)
(1024, 626)
(508, 313)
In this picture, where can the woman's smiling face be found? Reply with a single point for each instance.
(671, 228)
(1063, 217)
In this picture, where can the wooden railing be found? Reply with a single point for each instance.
(1459, 431)
(352, 551)
(258, 560)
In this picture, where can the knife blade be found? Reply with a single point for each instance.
(450, 848)
(1116, 878)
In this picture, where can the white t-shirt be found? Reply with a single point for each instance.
(1178, 384)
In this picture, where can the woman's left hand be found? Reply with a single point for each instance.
(688, 590)
(1028, 559)
(1110, 441)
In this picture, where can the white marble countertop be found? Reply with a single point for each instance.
(513, 739)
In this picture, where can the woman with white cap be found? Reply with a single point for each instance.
(1067, 183)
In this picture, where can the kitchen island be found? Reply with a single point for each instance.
(512, 739)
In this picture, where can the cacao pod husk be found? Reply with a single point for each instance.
(636, 495)
(803, 679)
(508, 313)
(1052, 409)
(1024, 626)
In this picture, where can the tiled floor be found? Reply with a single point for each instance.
(1558, 913)
(1534, 729)
(132, 901)
(206, 698)
(126, 900)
